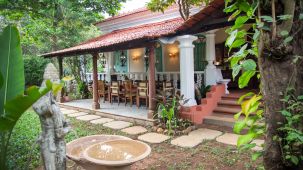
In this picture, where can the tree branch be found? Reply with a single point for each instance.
(274, 22)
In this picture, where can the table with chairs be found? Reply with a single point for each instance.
(133, 92)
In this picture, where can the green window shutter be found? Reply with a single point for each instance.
(199, 56)
(159, 61)
(118, 67)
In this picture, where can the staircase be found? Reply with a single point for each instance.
(223, 114)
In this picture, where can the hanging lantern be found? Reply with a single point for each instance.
(122, 59)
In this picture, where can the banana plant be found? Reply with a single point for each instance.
(168, 113)
(14, 101)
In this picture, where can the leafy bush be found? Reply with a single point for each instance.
(34, 69)
(292, 139)
(200, 92)
(23, 137)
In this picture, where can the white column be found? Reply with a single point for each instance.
(111, 63)
(187, 68)
(210, 71)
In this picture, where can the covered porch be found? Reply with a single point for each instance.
(152, 68)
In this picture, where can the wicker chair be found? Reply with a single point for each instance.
(142, 93)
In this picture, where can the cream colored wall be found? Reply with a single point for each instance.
(171, 63)
(136, 61)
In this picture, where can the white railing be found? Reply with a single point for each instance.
(160, 76)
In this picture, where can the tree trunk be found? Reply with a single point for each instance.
(279, 71)
(54, 128)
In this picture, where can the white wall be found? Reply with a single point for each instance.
(172, 63)
(136, 61)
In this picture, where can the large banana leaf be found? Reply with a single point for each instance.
(11, 66)
(17, 106)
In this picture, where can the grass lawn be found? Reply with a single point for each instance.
(208, 155)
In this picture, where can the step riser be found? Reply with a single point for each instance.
(229, 106)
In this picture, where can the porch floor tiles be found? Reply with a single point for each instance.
(117, 124)
(101, 121)
(77, 114)
(88, 117)
(135, 130)
(114, 108)
(153, 138)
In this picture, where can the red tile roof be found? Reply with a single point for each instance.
(211, 8)
(147, 31)
(139, 34)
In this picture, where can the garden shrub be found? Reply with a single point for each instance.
(22, 140)
(33, 69)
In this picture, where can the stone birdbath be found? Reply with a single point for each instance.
(106, 152)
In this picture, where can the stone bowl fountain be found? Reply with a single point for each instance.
(106, 152)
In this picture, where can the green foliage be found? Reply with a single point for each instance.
(22, 151)
(184, 5)
(242, 12)
(200, 92)
(168, 112)
(292, 141)
(34, 69)
(82, 90)
(13, 101)
(253, 121)
(237, 39)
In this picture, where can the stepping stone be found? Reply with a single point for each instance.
(258, 142)
(205, 134)
(153, 137)
(187, 141)
(77, 114)
(228, 138)
(135, 130)
(65, 112)
(88, 117)
(101, 121)
(117, 124)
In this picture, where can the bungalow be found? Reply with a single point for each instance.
(143, 45)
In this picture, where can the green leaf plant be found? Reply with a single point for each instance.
(14, 101)
(243, 55)
(292, 141)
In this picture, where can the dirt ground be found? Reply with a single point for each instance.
(210, 155)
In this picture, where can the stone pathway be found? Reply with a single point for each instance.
(195, 137)
(135, 130)
(68, 111)
(76, 114)
(88, 117)
(153, 137)
(191, 140)
(117, 124)
(101, 121)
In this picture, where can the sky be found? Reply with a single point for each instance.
(130, 5)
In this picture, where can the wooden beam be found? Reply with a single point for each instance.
(151, 81)
(96, 104)
(60, 63)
